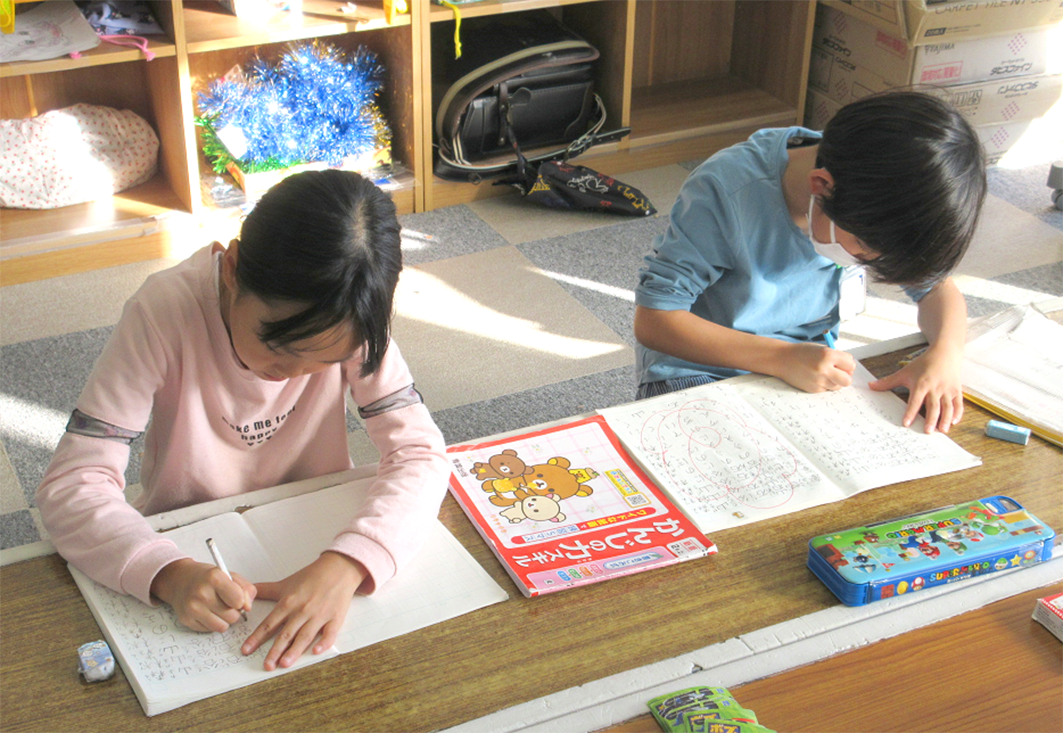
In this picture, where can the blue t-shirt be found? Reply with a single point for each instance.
(733, 255)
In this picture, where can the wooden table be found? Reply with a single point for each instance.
(972, 680)
(511, 652)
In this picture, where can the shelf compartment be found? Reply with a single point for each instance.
(439, 13)
(393, 47)
(669, 112)
(104, 54)
(133, 212)
(210, 28)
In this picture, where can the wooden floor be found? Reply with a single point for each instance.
(951, 676)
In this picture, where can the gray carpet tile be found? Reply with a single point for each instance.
(978, 307)
(40, 382)
(532, 407)
(1047, 279)
(1026, 189)
(16, 529)
(599, 268)
(451, 231)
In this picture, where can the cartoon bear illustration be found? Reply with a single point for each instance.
(536, 508)
(502, 473)
(554, 479)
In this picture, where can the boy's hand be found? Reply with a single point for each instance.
(815, 368)
(311, 604)
(201, 595)
(933, 381)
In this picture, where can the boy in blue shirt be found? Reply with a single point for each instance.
(746, 278)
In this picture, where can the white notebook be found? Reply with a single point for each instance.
(169, 666)
(1013, 366)
(753, 447)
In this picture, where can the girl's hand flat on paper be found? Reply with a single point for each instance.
(311, 604)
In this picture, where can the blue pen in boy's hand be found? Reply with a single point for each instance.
(829, 339)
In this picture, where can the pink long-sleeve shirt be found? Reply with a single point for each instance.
(217, 430)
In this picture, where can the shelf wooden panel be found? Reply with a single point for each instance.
(665, 113)
(105, 53)
(210, 28)
(439, 13)
(29, 230)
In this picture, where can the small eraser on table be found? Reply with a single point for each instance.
(95, 661)
(1007, 431)
(1049, 613)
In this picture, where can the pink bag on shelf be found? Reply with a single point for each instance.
(71, 155)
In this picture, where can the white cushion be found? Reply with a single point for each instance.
(67, 156)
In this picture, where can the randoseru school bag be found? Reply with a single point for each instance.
(523, 79)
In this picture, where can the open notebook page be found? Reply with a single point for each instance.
(169, 666)
(747, 449)
(1013, 364)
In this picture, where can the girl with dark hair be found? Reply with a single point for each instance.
(746, 278)
(241, 359)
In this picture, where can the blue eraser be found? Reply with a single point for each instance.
(1007, 431)
(95, 661)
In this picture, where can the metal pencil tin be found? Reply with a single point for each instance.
(908, 554)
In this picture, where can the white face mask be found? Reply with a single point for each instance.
(832, 250)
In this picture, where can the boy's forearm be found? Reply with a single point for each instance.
(685, 336)
(942, 316)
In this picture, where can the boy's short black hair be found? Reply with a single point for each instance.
(329, 239)
(909, 182)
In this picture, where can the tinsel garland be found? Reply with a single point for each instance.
(315, 105)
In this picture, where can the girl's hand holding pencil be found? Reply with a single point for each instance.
(204, 597)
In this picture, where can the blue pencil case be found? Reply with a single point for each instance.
(908, 554)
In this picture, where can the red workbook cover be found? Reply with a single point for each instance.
(566, 506)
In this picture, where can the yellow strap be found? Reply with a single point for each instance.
(457, 27)
(7, 16)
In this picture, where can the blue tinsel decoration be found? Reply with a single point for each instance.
(315, 105)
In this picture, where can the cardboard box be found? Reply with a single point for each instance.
(1004, 101)
(819, 108)
(838, 79)
(997, 140)
(847, 51)
(1049, 613)
(983, 103)
(920, 22)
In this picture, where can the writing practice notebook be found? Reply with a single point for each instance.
(169, 666)
(566, 506)
(753, 447)
(1013, 366)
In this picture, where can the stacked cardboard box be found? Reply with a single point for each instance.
(1000, 82)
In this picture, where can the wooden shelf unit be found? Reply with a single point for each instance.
(688, 76)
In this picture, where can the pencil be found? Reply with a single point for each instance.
(216, 554)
